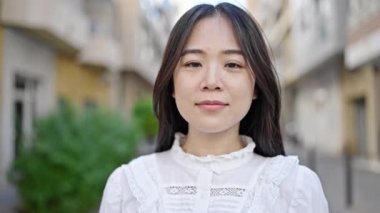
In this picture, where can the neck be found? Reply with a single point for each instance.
(202, 144)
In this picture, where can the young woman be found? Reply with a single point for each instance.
(219, 144)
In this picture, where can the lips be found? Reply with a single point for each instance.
(207, 102)
(211, 105)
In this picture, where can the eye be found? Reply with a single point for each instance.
(233, 65)
(193, 64)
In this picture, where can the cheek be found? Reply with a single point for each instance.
(244, 88)
(183, 94)
(183, 87)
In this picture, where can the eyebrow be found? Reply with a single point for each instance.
(199, 51)
(233, 51)
(193, 51)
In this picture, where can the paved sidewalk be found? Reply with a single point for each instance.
(9, 200)
(331, 170)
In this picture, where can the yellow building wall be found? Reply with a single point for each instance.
(1, 64)
(361, 83)
(134, 88)
(80, 84)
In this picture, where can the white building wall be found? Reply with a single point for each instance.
(319, 37)
(31, 58)
(318, 120)
(318, 31)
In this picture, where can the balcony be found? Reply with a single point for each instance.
(363, 34)
(60, 22)
(102, 52)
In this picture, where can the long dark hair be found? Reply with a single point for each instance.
(262, 120)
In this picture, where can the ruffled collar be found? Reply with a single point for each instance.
(216, 163)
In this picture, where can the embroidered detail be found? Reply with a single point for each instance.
(214, 192)
(249, 200)
(177, 190)
(234, 192)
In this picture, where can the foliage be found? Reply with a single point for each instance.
(144, 118)
(71, 158)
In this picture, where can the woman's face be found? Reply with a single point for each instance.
(213, 84)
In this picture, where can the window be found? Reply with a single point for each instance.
(25, 90)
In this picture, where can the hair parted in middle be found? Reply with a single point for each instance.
(261, 122)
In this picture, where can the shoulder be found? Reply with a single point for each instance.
(278, 168)
(123, 175)
(307, 178)
(270, 186)
(308, 195)
(116, 192)
(116, 182)
(141, 160)
(147, 164)
(130, 185)
(140, 170)
(307, 184)
(298, 187)
(275, 169)
(120, 172)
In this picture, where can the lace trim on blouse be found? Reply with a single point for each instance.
(263, 195)
(142, 181)
(217, 163)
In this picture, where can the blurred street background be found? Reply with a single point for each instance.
(76, 80)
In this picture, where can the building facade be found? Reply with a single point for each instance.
(94, 53)
(361, 80)
(327, 58)
(34, 34)
(317, 30)
(144, 31)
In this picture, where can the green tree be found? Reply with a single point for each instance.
(71, 158)
(144, 118)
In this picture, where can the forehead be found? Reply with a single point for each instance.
(213, 31)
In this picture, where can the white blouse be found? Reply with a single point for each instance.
(241, 181)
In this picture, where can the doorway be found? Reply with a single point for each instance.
(361, 127)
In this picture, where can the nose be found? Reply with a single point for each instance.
(212, 79)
